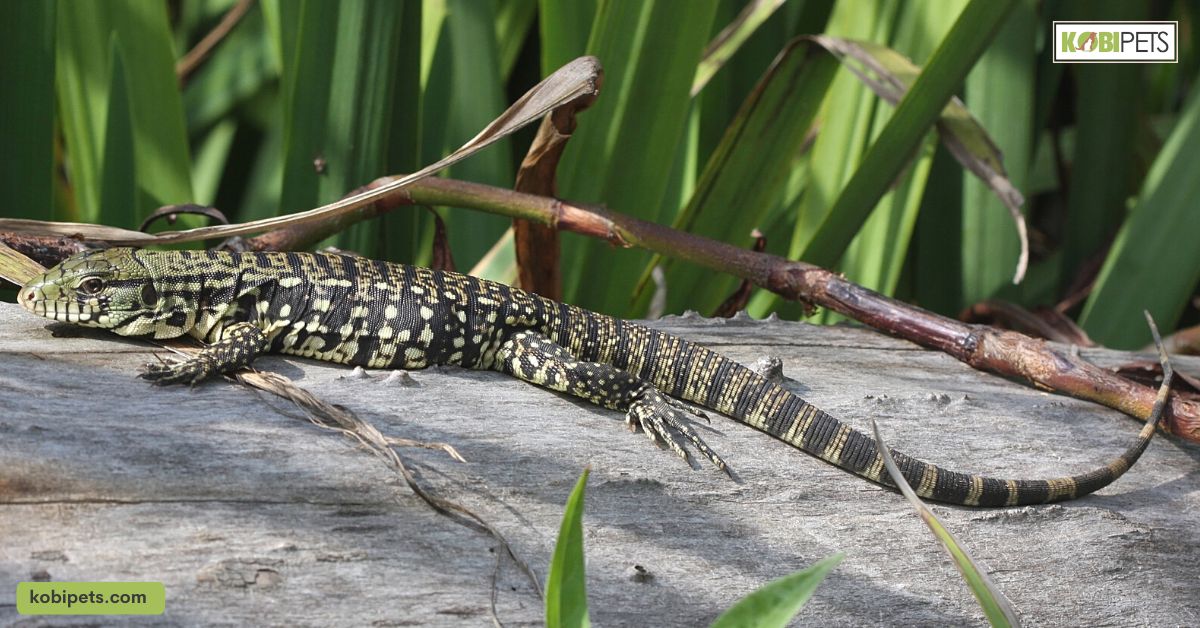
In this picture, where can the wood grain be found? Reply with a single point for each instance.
(249, 514)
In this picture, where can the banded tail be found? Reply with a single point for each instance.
(688, 371)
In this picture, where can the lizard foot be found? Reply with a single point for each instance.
(664, 420)
(190, 372)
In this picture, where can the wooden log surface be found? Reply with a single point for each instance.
(251, 515)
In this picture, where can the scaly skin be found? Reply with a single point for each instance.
(374, 314)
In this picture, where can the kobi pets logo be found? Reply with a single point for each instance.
(1116, 42)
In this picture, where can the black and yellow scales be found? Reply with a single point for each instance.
(375, 314)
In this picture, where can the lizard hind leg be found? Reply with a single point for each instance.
(532, 357)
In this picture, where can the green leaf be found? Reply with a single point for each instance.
(403, 230)
(876, 255)
(27, 34)
(750, 166)
(777, 602)
(996, 606)
(913, 118)
(1154, 264)
(82, 76)
(118, 180)
(365, 66)
(1102, 171)
(307, 82)
(727, 42)
(845, 127)
(564, 29)
(566, 584)
(210, 161)
(1000, 92)
(623, 151)
(464, 92)
(240, 68)
(339, 94)
(514, 18)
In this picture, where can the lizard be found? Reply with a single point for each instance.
(356, 311)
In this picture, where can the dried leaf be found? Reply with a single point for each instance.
(889, 74)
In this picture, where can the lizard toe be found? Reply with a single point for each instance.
(665, 421)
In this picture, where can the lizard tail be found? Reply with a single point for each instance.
(689, 371)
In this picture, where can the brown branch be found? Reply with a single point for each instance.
(1044, 323)
(45, 250)
(199, 53)
(1005, 353)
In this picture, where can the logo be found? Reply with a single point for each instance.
(1116, 42)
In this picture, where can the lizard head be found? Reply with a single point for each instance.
(109, 289)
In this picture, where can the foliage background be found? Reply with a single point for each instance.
(98, 128)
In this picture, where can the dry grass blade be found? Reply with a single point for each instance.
(996, 606)
(889, 74)
(326, 415)
(17, 268)
(420, 444)
(199, 53)
(578, 78)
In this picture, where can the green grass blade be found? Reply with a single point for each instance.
(876, 255)
(514, 18)
(365, 68)
(623, 151)
(996, 607)
(1000, 92)
(566, 584)
(118, 177)
(727, 42)
(307, 82)
(82, 79)
(750, 167)
(776, 603)
(162, 162)
(339, 91)
(936, 262)
(239, 69)
(27, 91)
(1154, 264)
(564, 28)
(913, 118)
(403, 230)
(1102, 171)
(845, 129)
(209, 163)
(464, 92)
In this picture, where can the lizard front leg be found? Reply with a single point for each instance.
(532, 357)
(238, 346)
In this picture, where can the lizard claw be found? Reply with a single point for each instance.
(664, 420)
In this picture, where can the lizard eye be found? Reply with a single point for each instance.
(149, 295)
(92, 285)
